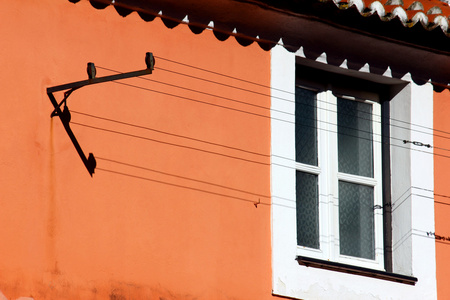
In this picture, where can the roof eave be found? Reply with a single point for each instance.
(314, 27)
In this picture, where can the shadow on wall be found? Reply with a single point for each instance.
(2, 297)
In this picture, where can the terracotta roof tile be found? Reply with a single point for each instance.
(430, 13)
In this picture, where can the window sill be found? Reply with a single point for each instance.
(334, 266)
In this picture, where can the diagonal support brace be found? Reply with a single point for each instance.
(64, 115)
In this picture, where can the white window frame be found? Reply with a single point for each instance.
(328, 181)
(411, 172)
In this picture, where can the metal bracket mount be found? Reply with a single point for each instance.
(64, 115)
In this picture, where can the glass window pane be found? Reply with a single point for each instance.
(307, 210)
(305, 127)
(355, 139)
(356, 220)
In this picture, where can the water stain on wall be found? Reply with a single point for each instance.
(52, 265)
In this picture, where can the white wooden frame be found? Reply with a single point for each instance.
(328, 180)
(413, 252)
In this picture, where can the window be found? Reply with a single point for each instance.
(338, 178)
(312, 190)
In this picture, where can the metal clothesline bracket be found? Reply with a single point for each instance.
(415, 143)
(69, 88)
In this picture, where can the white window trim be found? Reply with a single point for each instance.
(328, 180)
(413, 252)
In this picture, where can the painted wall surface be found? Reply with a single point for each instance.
(442, 190)
(181, 158)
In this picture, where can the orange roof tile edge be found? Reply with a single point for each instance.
(430, 13)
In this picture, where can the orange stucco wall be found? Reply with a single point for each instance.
(442, 190)
(169, 213)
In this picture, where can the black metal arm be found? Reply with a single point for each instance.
(64, 115)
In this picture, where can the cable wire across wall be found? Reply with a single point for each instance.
(266, 96)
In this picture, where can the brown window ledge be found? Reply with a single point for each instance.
(334, 266)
